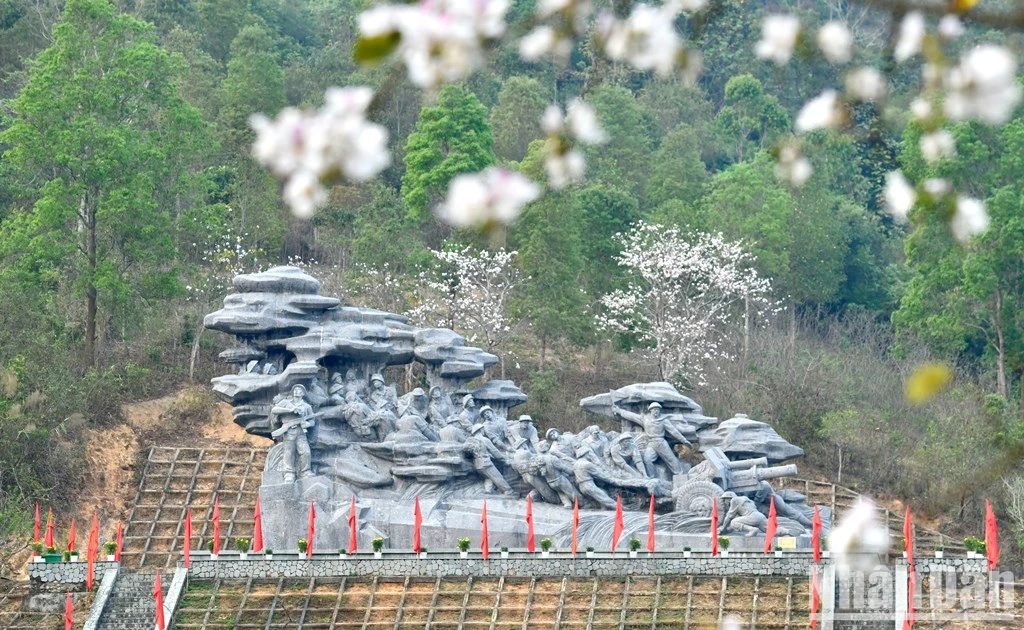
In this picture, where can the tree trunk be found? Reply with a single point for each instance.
(90, 288)
(195, 352)
(839, 474)
(792, 327)
(543, 349)
(1000, 347)
(746, 329)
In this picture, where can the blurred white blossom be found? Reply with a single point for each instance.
(984, 86)
(899, 196)
(563, 162)
(912, 31)
(937, 187)
(836, 42)
(821, 112)
(306, 148)
(792, 166)
(859, 538)
(969, 219)
(866, 84)
(938, 145)
(492, 195)
(647, 39)
(921, 109)
(562, 22)
(950, 26)
(778, 38)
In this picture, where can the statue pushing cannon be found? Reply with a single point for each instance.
(709, 480)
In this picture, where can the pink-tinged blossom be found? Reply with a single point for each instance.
(950, 26)
(308, 147)
(561, 23)
(647, 39)
(983, 86)
(494, 195)
(778, 38)
(684, 297)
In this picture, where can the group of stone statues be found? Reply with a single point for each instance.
(311, 376)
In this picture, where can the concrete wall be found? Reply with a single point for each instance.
(55, 575)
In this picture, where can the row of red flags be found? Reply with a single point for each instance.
(92, 547)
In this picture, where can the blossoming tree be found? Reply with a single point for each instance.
(686, 294)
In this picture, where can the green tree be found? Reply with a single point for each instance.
(101, 118)
(604, 212)
(624, 160)
(750, 119)
(516, 118)
(220, 21)
(677, 171)
(254, 84)
(451, 137)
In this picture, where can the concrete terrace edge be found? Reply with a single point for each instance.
(98, 604)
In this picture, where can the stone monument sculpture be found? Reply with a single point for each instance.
(312, 375)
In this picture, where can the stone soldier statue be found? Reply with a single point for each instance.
(494, 427)
(530, 468)
(439, 409)
(558, 473)
(563, 445)
(653, 440)
(293, 417)
(763, 496)
(742, 516)
(382, 397)
(524, 429)
(588, 470)
(483, 452)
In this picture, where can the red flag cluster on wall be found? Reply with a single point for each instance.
(311, 530)
(216, 525)
(188, 538)
(158, 597)
(484, 545)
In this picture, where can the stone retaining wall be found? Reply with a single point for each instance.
(525, 564)
(53, 575)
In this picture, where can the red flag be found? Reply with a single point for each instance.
(910, 617)
(257, 529)
(908, 536)
(69, 611)
(187, 547)
(530, 545)
(650, 527)
(35, 531)
(815, 597)
(417, 522)
(816, 534)
(120, 542)
(48, 538)
(353, 542)
(773, 526)
(991, 537)
(216, 525)
(575, 523)
(619, 524)
(71, 535)
(714, 528)
(483, 536)
(158, 595)
(92, 549)
(311, 530)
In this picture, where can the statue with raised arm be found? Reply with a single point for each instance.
(290, 418)
(655, 446)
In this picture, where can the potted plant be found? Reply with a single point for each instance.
(778, 551)
(302, 545)
(52, 555)
(269, 553)
(342, 554)
(686, 552)
(378, 546)
(73, 555)
(973, 545)
(464, 547)
(423, 553)
(904, 543)
(634, 547)
(545, 547)
(938, 551)
(67, 556)
(242, 544)
(37, 552)
(504, 552)
(723, 544)
(209, 546)
(825, 553)
(590, 552)
(111, 548)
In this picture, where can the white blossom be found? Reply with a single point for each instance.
(778, 38)
(689, 6)
(792, 166)
(938, 145)
(440, 41)
(543, 41)
(682, 294)
(969, 219)
(836, 42)
(866, 84)
(821, 112)
(921, 109)
(859, 538)
(647, 39)
(583, 123)
(568, 20)
(564, 169)
(306, 148)
(563, 162)
(492, 195)
(950, 26)
(984, 86)
(937, 187)
(899, 195)
(912, 30)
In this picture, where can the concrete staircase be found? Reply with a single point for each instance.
(131, 605)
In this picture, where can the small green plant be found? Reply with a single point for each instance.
(939, 548)
(463, 544)
(973, 544)
(546, 544)
(343, 552)
(302, 544)
(67, 556)
(51, 550)
(824, 542)
(268, 551)
(634, 544)
(242, 544)
(687, 549)
(378, 543)
(504, 549)
(37, 548)
(590, 549)
(778, 548)
(423, 550)
(209, 545)
(110, 547)
(723, 542)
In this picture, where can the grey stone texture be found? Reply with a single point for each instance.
(56, 576)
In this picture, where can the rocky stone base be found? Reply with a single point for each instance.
(54, 576)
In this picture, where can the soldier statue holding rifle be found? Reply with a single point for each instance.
(292, 417)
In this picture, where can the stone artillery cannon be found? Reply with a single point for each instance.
(706, 482)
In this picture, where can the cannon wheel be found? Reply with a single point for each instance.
(696, 497)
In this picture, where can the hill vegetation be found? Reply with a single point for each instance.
(128, 199)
